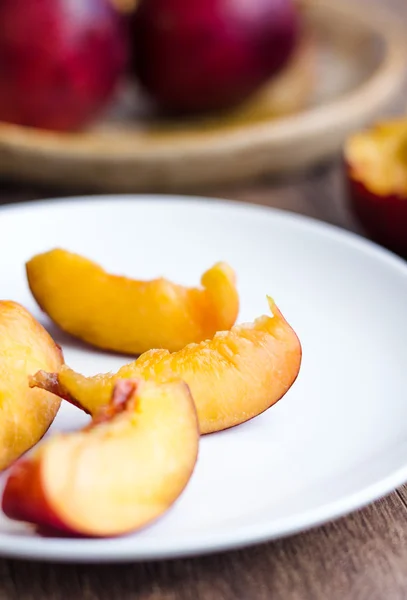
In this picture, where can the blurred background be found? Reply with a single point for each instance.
(297, 105)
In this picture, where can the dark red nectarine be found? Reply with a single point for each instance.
(203, 55)
(60, 60)
(376, 179)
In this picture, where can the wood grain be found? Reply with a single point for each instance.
(360, 557)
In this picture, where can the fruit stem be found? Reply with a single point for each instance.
(123, 392)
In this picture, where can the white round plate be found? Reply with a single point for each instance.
(337, 441)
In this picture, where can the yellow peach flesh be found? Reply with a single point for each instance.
(116, 476)
(233, 377)
(25, 414)
(124, 315)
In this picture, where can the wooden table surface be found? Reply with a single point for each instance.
(360, 557)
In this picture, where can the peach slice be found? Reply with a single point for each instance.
(376, 177)
(233, 377)
(117, 475)
(124, 315)
(25, 414)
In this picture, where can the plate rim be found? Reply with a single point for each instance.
(63, 550)
(347, 236)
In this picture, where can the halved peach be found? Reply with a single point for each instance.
(376, 177)
(25, 414)
(233, 377)
(124, 315)
(118, 474)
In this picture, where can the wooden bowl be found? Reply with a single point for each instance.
(349, 66)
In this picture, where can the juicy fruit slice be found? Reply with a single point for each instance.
(119, 474)
(376, 173)
(378, 157)
(233, 377)
(25, 414)
(124, 315)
